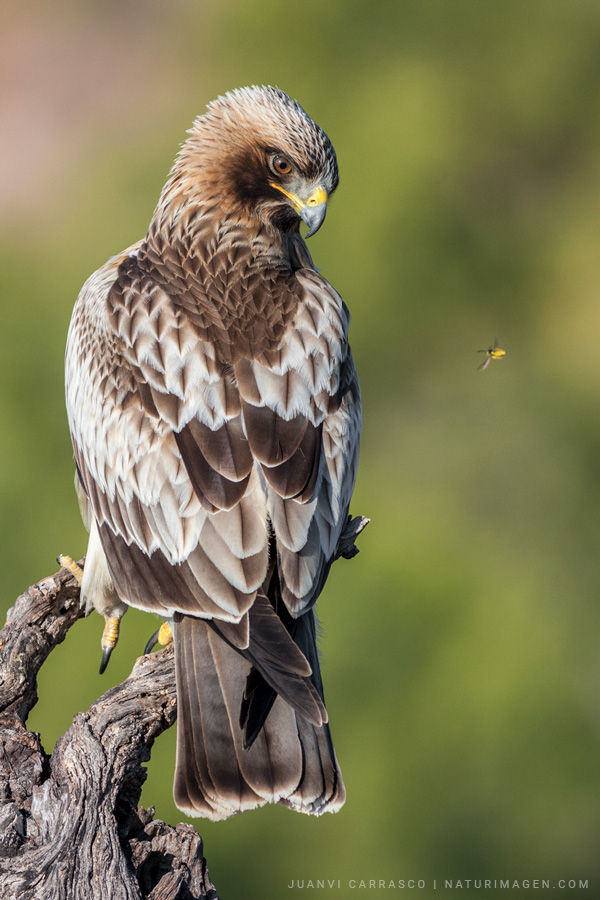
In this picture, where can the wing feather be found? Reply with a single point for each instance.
(225, 449)
(296, 477)
(213, 489)
(272, 439)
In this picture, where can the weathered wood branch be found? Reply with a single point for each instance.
(69, 824)
(70, 827)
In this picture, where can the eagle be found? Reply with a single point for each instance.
(214, 411)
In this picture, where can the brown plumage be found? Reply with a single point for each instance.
(215, 415)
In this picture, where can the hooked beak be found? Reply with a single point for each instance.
(314, 216)
(312, 210)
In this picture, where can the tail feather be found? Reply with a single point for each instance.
(291, 760)
(321, 788)
(257, 703)
(260, 692)
(273, 651)
(201, 782)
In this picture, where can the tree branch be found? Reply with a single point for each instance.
(69, 823)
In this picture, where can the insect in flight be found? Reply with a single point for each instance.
(494, 352)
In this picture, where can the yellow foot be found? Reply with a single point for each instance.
(163, 636)
(67, 563)
(110, 636)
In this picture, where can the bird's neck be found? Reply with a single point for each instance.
(205, 243)
(206, 227)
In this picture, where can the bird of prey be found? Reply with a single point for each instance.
(214, 409)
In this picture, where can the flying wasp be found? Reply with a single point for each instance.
(494, 352)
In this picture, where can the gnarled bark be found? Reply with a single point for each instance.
(69, 823)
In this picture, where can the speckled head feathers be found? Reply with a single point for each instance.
(253, 120)
(276, 121)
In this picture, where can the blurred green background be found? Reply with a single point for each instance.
(460, 647)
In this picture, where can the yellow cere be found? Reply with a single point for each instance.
(316, 198)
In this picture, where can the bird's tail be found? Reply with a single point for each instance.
(289, 760)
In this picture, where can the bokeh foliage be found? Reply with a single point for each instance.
(461, 647)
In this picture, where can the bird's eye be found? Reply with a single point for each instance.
(281, 165)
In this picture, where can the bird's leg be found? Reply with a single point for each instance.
(68, 563)
(162, 636)
(110, 636)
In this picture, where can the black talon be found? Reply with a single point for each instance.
(106, 651)
(152, 642)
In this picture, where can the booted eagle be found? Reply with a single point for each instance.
(214, 409)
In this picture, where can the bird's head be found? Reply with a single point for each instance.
(256, 154)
